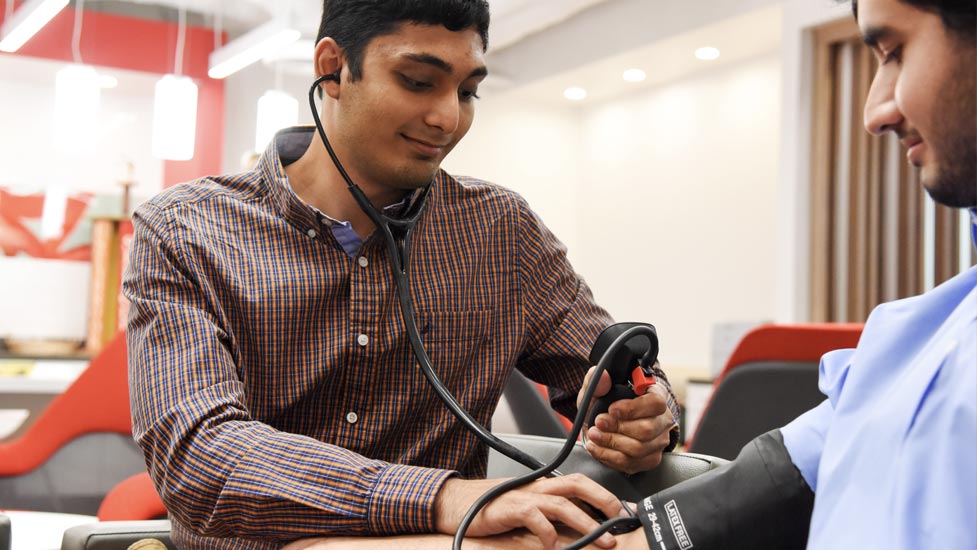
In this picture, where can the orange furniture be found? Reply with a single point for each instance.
(79, 447)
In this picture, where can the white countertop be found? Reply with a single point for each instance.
(41, 530)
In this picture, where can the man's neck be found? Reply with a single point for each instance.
(315, 179)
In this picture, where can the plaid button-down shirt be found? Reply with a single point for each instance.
(273, 389)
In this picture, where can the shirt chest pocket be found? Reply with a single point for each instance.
(454, 341)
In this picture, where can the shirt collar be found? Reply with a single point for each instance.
(973, 226)
(287, 147)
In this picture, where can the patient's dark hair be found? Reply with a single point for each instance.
(353, 23)
(959, 16)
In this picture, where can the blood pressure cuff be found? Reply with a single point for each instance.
(758, 501)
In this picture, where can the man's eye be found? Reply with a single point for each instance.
(415, 84)
(894, 55)
(469, 94)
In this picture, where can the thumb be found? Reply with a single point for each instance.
(603, 386)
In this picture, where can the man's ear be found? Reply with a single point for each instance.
(329, 60)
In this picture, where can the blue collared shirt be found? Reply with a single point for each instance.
(892, 453)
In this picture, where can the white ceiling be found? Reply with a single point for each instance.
(738, 38)
(512, 20)
(540, 47)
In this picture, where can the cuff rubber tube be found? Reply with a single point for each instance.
(757, 501)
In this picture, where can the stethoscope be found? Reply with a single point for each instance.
(396, 233)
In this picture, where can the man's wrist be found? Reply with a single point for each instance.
(444, 508)
(404, 499)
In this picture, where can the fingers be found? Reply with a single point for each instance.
(538, 507)
(641, 429)
(543, 504)
(628, 455)
(653, 403)
(556, 510)
(580, 487)
(603, 386)
(634, 438)
(539, 525)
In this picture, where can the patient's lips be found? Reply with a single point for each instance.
(914, 147)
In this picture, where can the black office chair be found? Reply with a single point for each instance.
(770, 379)
(531, 411)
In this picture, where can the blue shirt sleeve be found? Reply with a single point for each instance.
(804, 440)
(804, 437)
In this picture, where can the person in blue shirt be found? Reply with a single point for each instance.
(889, 459)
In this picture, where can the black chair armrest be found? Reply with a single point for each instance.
(116, 535)
(675, 467)
(4, 532)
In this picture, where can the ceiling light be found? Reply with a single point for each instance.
(76, 101)
(174, 118)
(276, 110)
(575, 93)
(707, 53)
(26, 21)
(251, 47)
(175, 107)
(634, 75)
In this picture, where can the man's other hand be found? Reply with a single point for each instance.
(541, 507)
(519, 539)
(631, 436)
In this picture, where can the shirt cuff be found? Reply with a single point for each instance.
(403, 499)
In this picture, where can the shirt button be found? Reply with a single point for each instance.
(352, 417)
(311, 233)
(362, 339)
(363, 261)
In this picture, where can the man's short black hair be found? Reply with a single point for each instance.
(353, 23)
(959, 16)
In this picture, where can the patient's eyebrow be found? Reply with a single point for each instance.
(873, 35)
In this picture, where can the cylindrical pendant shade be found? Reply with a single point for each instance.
(174, 118)
(76, 101)
(276, 110)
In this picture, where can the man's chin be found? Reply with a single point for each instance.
(416, 177)
(955, 191)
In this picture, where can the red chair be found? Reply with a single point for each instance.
(135, 498)
(770, 379)
(79, 447)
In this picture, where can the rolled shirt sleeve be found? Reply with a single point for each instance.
(219, 471)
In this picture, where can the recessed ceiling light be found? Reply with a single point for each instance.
(634, 75)
(707, 53)
(575, 93)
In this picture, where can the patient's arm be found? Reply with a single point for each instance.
(514, 540)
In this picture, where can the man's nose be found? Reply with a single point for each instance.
(445, 113)
(881, 110)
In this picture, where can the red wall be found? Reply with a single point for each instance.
(148, 46)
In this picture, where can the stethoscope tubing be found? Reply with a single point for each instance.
(398, 250)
